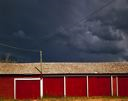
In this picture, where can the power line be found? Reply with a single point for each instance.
(20, 49)
(13, 57)
(88, 17)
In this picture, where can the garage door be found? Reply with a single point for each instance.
(27, 89)
(76, 86)
(123, 86)
(53, 86)
(99, 86)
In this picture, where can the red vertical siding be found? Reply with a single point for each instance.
(114, 87)
(99, 86)
(6, 87)
(76, 86)
(27, 89)
(53, 86)
(123, 86)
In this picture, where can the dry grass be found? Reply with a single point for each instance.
(78, 99)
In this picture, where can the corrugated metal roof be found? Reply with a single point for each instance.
(61, 68)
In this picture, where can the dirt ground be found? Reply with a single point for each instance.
(77, 99)
(85, 99)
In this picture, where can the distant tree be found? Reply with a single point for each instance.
(8, 58)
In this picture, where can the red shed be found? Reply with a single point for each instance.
(23, 81)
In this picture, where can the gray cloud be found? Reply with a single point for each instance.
(93, 42)
(21, 34)
(43, 24)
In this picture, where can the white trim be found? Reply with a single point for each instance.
(117, 85)
(111, 85)
(14, 89)
(41, 88)
(64, 86)
(26, 78)
(87, 87)
(16, 79)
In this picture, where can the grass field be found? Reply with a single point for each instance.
(77, 99)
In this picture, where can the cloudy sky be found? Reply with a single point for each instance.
(66, 30)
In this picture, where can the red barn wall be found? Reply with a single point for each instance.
(76, 86)
(114, 86)
(123, 86)
(53, 86)
(99, 86)
(6, 87)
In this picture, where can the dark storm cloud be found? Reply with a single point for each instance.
(43, 24)
(93, 42)
(97, 37)
(117, 15)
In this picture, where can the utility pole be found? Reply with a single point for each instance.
(41, 80)
(40, 70)
(41, 76)
(41, 61)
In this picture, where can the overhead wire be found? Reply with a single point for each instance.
(13, 57)
(17, 48)
(89, 16)
(86, 18)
